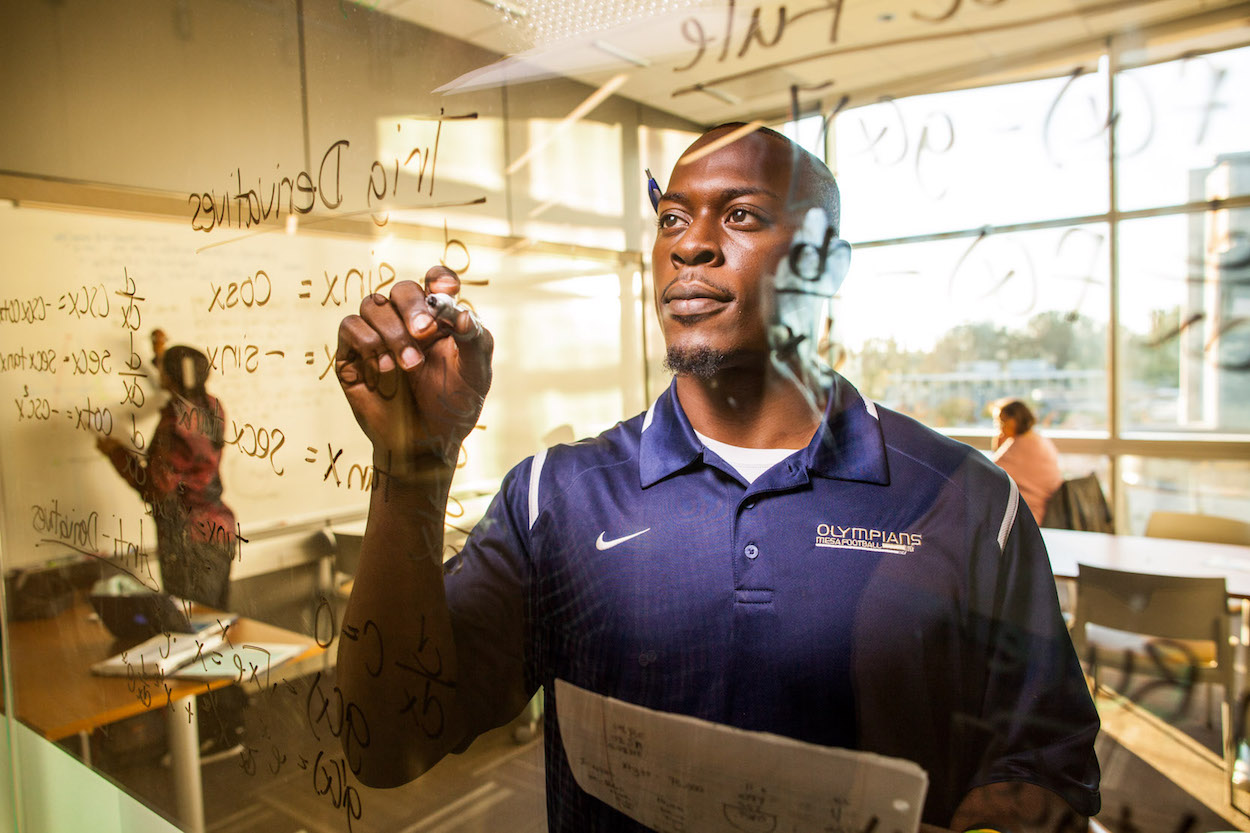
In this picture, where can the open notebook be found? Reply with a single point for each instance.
(202, 656)
(161, 655)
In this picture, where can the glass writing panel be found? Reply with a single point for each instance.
(244, 177)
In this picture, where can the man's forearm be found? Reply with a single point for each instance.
(397, 659)
(1016, 807)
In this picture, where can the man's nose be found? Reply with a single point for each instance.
(698, 244)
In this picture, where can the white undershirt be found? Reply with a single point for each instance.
(748, 462)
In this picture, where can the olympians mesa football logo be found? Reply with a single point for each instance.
(834, 536)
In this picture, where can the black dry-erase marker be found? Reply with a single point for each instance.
(444, 308)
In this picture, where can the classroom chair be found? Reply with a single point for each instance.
(1189, 526)
(1149, 623)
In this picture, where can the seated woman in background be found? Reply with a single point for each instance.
(1031, 459)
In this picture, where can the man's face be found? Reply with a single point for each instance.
(724, 227)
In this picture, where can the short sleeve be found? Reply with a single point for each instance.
(487, 586)
(1035, 702)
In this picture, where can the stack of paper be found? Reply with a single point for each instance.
(678, 774)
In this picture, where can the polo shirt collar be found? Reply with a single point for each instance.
(847, 446)
(668, 443)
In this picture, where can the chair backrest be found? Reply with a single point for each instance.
(1172, 607)
(1195, 527)
(347, 551)
(1079, 504)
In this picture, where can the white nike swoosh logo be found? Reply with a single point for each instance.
(601, 544)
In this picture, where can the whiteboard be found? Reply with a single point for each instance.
(83, 292)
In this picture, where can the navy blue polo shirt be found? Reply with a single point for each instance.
(881, 589)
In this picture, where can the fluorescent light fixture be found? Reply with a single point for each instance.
(617, 52)
(727, 98)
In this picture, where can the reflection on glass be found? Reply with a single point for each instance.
(959, 160)
(1178, 122)
(972, 320)
(1205, 487)
(1184, 339)
(568, 205)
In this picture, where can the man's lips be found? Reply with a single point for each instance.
(694, 298)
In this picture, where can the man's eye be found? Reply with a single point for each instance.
(668, 220)
(740, 215)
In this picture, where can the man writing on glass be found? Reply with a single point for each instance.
(763, 548)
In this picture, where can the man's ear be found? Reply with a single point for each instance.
(818, 258)
(837, 264)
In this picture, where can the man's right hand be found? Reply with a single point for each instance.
(415, 384)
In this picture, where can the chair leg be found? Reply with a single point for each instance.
(1230, 753)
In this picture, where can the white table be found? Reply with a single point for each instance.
(1162, 556)
(58, 696)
